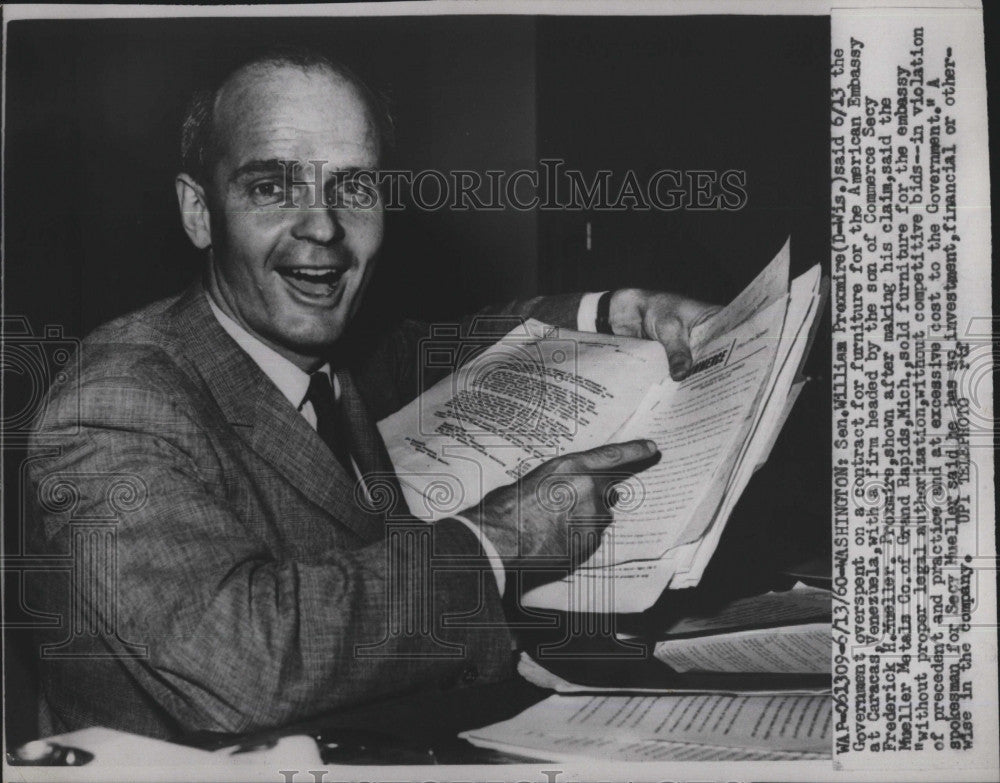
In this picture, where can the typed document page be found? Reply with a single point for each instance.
(800, 603)
(537, 393)
(793, 649)
(805, 302)
(700, 426)
(625, 726)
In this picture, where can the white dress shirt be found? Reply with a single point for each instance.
(586, 315)
(292, 382)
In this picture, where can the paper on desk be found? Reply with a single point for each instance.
(791, 649)
(119, 748)
(295, 749)
(622, 727)
(115, 749)
(643, 750)
(800, 603)
(538, 675)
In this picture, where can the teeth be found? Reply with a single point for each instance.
(328, 276)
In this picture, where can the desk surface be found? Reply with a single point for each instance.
(433, 719)
(412, 725)
(422, 727)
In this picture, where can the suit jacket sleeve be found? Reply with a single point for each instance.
(237, 638)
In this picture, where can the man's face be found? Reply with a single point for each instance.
(291, 275)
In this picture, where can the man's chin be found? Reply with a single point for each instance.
(308, 346)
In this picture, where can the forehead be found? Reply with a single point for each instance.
(288, 112)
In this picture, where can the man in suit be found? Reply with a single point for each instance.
(207, 468)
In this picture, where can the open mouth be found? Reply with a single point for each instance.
(318, 282)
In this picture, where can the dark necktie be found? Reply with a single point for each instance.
(324, 403)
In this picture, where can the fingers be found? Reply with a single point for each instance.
(673, 335)
(670, 319)
(705, 312)
(614, 455)
(584, 538)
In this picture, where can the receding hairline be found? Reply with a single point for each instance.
(269, 68)
(200, 134)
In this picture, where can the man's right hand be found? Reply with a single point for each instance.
(532, 517)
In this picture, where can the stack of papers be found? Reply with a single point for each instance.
(694, 727)
(784, 632)
(539, 676)
(541, 392)
(777, 642)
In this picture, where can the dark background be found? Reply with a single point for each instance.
(93, 110)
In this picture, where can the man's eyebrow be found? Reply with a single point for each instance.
(349, 173)
(253, 167)
(280, 165)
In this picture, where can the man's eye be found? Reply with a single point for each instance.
(347, 187)
(355, 191)
(266, 192)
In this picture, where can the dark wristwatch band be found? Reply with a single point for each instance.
(602, 322)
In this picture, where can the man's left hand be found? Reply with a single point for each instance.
(657, 315)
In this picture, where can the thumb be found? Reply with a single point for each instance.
(670, 331)
(613, 455)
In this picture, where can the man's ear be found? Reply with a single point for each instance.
(194, 211)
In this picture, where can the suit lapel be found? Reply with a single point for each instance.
(264, 417)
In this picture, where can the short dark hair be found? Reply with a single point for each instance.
(198, 143)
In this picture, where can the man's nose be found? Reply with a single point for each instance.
(318, 224)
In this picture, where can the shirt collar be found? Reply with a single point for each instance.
(292, 382)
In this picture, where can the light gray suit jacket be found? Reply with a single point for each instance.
(226, 575)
